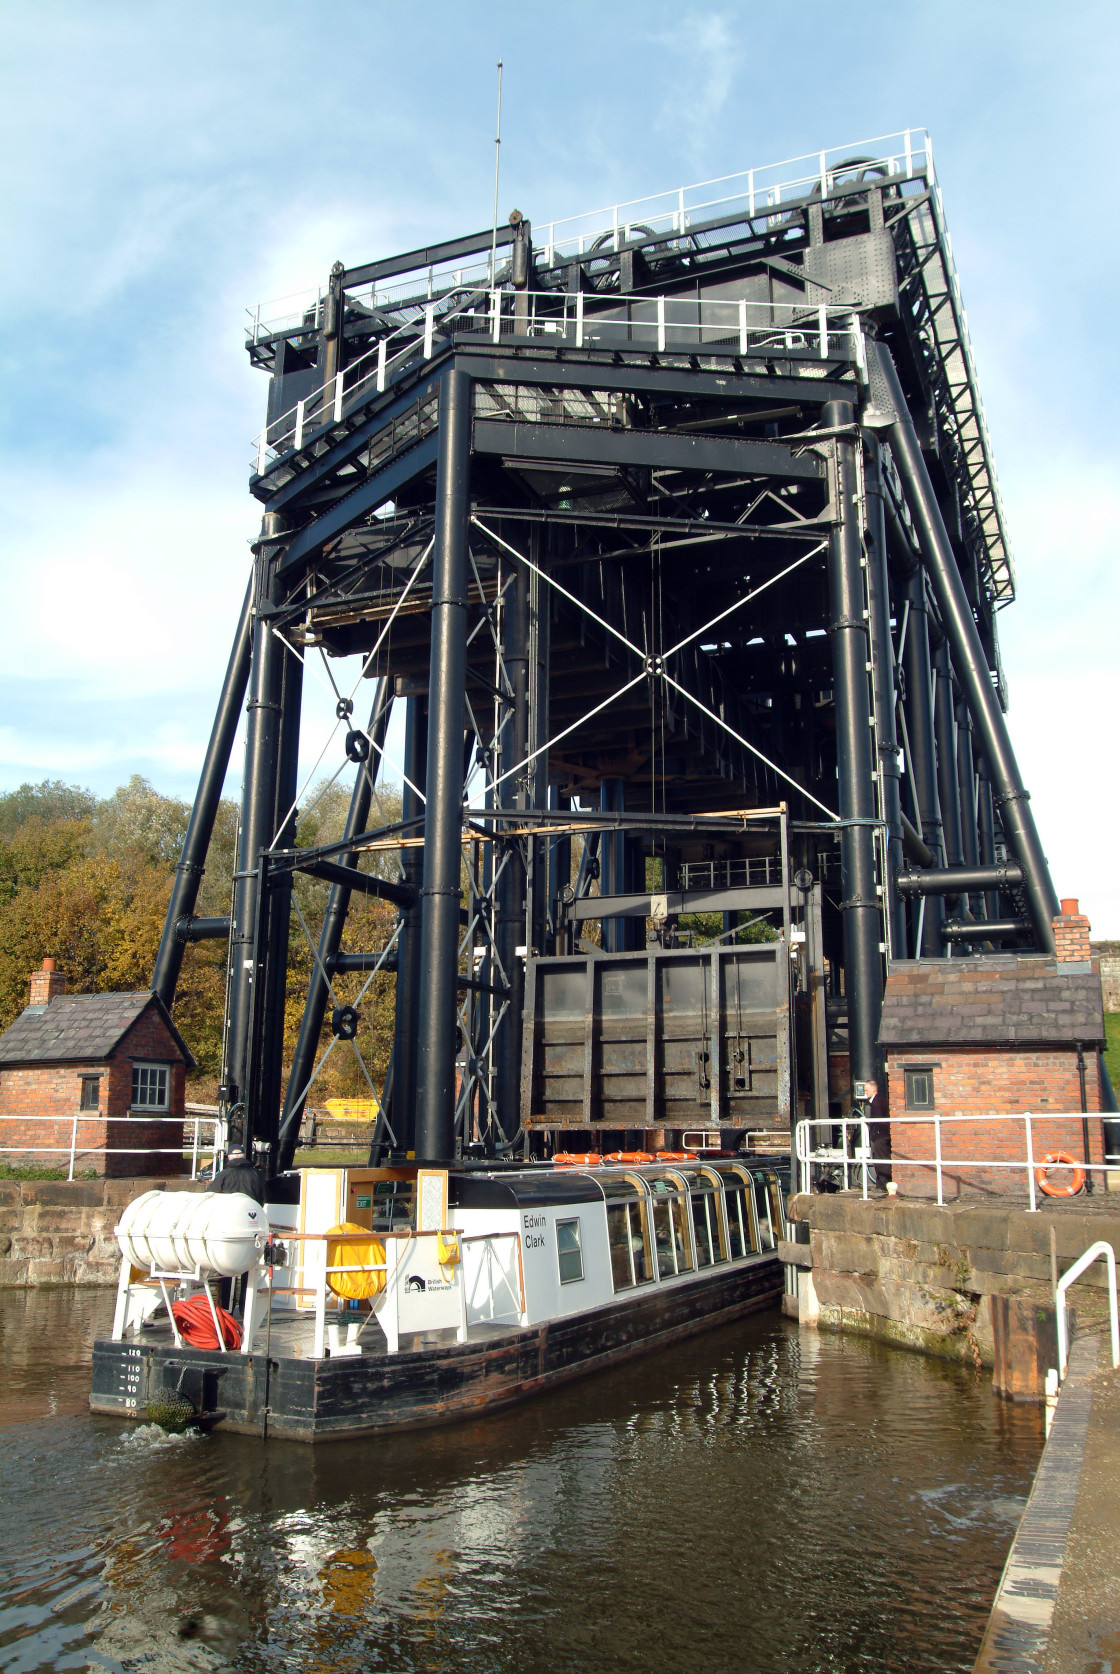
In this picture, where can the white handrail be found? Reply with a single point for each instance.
(860, 1157)
(1093, 1253)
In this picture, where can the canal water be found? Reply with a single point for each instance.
(758, 1500)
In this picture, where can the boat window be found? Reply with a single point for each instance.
(777, 1207)
(740, 1242)
(766, 1235)
(569, 1251)
(618, 1237)
(628, 1235)
(716, 1214)
(671, 1225)
(706, 1228)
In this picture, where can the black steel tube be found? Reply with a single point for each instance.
(984, 930)
(403, 1113)
(258, 811)
(612, 850)
(971, 664)
(913, 847)
(966, 785)
(945, 732)
(264, 1082)
(330, 938)
(440, 893)
(200, 826)
(923, 754)
(986, 830)
(884, 689)
(202, 929)
(848, 635)
(956, 881)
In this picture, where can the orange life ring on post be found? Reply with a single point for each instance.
(1060, 1159)
(629, 1156)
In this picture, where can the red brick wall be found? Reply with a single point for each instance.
(984, 1083)
(44, 1100)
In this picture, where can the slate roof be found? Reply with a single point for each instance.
(82, 1027)
(1002, 1000)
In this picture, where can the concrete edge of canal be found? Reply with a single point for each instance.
(1055, 1611)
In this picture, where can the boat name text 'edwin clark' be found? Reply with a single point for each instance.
(533, 1240)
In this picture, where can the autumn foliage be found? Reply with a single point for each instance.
(87, 882)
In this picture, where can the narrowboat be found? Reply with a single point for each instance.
(378, 1299)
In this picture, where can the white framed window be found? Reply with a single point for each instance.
(150, 1086)
(569, 1252)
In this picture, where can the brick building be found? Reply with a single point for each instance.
(996, 1035)
(114, 1061)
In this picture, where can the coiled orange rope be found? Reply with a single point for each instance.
(196, 1325)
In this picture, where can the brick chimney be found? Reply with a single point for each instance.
(45, 984)
(1071, 935)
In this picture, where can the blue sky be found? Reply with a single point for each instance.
(167, 164)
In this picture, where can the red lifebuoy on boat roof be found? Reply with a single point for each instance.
(577, 1159)
(676, 1156)
(1060, 1159)
(629, 1156)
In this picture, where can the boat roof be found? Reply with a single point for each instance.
(554, 1187)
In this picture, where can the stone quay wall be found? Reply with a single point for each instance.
(60, 1232)
(930, 1278)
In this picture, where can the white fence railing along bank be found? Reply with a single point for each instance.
(847, 1147)
(195, 1146)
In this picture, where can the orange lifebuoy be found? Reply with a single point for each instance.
(1060, 1159)
(577, 1159)
(629, 1156)
(676, 1156)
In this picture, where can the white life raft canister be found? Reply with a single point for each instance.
(183, 1232)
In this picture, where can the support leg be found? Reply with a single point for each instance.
(848, 635)
(439, 939)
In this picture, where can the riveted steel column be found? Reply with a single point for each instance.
(945, 731)
(509, 895)
(264, 1080)
(407, 1017)
(885, 691)
(200, 827)
(440, 894)
(258, 810)
(330, 937)
(923, 755)
(849, 638)
(1012, 799)
(966, 785)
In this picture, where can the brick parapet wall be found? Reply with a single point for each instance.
(982, 1083)
(60, 1232)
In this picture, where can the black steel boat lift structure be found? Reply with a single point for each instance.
(676, 534)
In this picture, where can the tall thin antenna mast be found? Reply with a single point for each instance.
(497, 158)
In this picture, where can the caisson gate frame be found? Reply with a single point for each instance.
(675, 532)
